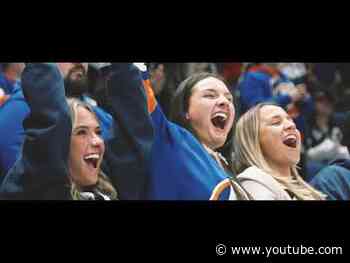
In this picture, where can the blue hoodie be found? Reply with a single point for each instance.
(334, 180)
(12, 113)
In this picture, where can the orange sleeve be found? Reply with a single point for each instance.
(151, 99)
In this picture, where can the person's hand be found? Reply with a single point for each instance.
(141, 66)
(99, 66)
(342, 153)
(326, 150)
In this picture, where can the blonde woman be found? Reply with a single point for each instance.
(267, 151)
(63, 151)
(87, 148)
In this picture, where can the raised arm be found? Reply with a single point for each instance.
(41, 172)
(128, 153)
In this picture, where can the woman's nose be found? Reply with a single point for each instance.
(223, 101)
(290, 124)
(96, 140)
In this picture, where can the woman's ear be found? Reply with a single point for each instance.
(187, 116)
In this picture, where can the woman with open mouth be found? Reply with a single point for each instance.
(267, 151)
(185, 164)
(87, 148)
(63, 152)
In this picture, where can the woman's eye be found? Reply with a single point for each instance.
(210, 96)
(99, 132)
(276, 123)
(81, 132)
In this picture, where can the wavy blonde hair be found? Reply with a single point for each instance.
(103, 185)
(248, 152)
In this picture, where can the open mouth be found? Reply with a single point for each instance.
(291, 142)
(92, 160)
(219, 120)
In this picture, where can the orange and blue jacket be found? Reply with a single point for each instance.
(180, 168)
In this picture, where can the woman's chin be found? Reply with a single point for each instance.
(218, 140)
(294, 160)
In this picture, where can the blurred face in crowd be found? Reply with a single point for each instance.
(211, 112)
(279, 139)
(18, 68)
(87, 148)
(13, 71)
(75, 78)
(323, 106)
(157, 78)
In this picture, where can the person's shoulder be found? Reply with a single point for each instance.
(258, 75)
(334, 181)
(260, 184)
(335, 168)
(16, 97)
(16, 104)
(331, 173)
(256, 175)
(18, 94)
(252, 172)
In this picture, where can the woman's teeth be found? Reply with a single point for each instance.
(92, 156)
(290, 141)
(221, 114)
(219, 120)
(92, 159)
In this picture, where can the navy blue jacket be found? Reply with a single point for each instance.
(334, 180)
(42, 170)
(12, 113)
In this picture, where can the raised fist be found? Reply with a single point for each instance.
(98, 66)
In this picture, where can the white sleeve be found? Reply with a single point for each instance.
(141, 66)
(324, 151)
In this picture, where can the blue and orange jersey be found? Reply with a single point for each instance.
(151, 99)
(180, 168)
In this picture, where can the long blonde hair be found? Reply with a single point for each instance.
(248, 152)
(103, 185)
